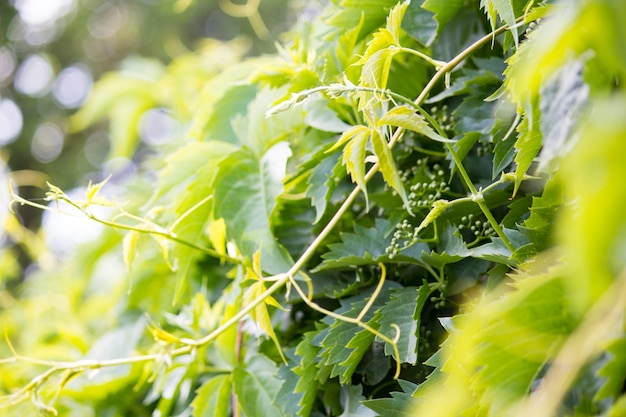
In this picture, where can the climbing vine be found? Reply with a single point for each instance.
(411, 208)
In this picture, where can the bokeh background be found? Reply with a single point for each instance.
(51, 51)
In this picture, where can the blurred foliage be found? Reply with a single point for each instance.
(407, 208)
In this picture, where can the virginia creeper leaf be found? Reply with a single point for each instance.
(407, 118)
(399, 405)
(528, 145)
(388, 166)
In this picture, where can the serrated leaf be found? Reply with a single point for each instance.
(306, 370)
(245, 192)
(451, 249)
(420, 24)
(613, 371)
(407, 118)
(403, 310)
(376, 60)
(183, 165)
(351, 397)
(399, 405)
(504, 9)
(527, 145)
(321, 117)
(503, 137)
(350, 13)
(354, 154)
(321, 184)
(344, 344)
(366, 246)
(388, 166)
(260, 133)
(213, 398)
(256, 386)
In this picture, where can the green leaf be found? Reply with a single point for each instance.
(306, 370)
(420, 24)
(213, 398)
(344, 344)
(504, 9)
(451, 249)
(376, 60)
(192, 213)
(351, 12)
(388, 166)
(444, 10)
(367, 246)
(613, 371)
(403, 310)
(561, 104)
(503, 137)
(399, 405)
(322, 182)
(245, 192)
(351, 399)
(256, 386)
(258, 132)
(407, 118)
(320, 116)
(527, 145)
(354, 153)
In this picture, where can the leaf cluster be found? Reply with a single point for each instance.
(410, 208)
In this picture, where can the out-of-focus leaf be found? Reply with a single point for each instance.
(193, 203)
(527, 145)
(246, 189)
(256, 386)
(561, 104)
(213, 398)
(613, 371)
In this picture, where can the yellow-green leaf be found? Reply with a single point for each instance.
(406, 118)
(354, 156)
(388, 166)
(261, 315)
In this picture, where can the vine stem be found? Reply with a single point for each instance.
(152, 228)
(281, 280)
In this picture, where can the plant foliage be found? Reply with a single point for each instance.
(412, 208)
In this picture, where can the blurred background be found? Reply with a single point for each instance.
(51, 51)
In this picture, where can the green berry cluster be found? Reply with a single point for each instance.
(444, 118)
(429, 188)
(428, 185)
(477, 228)
(484, 149)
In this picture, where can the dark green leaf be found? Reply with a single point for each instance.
(399, 405)
(351, 400)
(367, 246)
